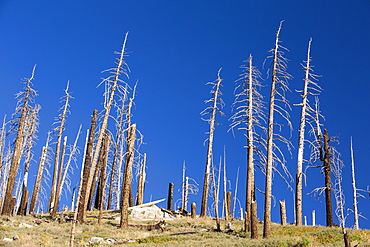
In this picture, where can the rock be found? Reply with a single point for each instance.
(109, 241)
(97, 240)
(152, 212)
(8, 239)
(15, 237)
(25, 225)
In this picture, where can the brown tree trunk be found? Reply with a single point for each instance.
(254, 228)
(170, 196)
(282, 213)
(82, 204)
(127, 176)
(228, 205)
(58, 190)
(24, 202)
(141, 183)
(17, 154)
(193, 210)
(37, 184)
(327, 173)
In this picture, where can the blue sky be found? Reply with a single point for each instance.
(175, 48)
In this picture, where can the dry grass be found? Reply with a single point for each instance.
(179, 232)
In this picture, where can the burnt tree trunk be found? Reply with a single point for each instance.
(17, 154)
(81, 205)
(126, 186)
(327, 173)
(170, 196)
(254, 227)
(37, 185)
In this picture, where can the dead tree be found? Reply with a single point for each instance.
(82, 204)
(102, 179)
(113, 88)
(103, 160)
(29, 141)
(215, 198)
(215, 107)
(61, 121)
(2, 153)
(249, 116)
(24, 106)
(310, 87)
(141, 182)
(170, 196)
(40, 171)
(354, 188)
(279, 86)
(126, 185)
(337, 167)
(65, 169)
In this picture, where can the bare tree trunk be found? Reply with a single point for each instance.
(282, 213)
(193, 210)
(127, 176)
(254, 226)
(355, 211)
(102, 181)
(64, 169)
(327, 174)
(279, 77)
(141, 183)
(228, 205)
(95, 181)
(215, 199)
(82, 205)
(170, 196)
(17, 153)
(58, 190)
(109, 103)
(299, 174)
(37, 184)
(62, 119)
(214, 109)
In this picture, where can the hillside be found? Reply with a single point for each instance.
(43, 231)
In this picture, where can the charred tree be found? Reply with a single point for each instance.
(82, 203)
(126, 186)
(310, 87)
(112, 88)
(141, 182)
(279, 86)
(61, 120)
(40, 171)
(24, 106)
(249, 116)
(215, 107)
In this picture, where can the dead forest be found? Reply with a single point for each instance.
(111, 156)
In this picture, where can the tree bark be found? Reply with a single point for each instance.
(141, 183)
(37, 185)
(282, 213)
(82, 204)
(228, 205)
(17, 154)
(127, 176)
(58, 190)
(327, 174)
(109, 103)
(210, 148)
(254, 225)
(102, 181)
(170, 196)
(193, 210)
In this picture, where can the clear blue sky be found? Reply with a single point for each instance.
(176, 47)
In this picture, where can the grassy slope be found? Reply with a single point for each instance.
(180, 232)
